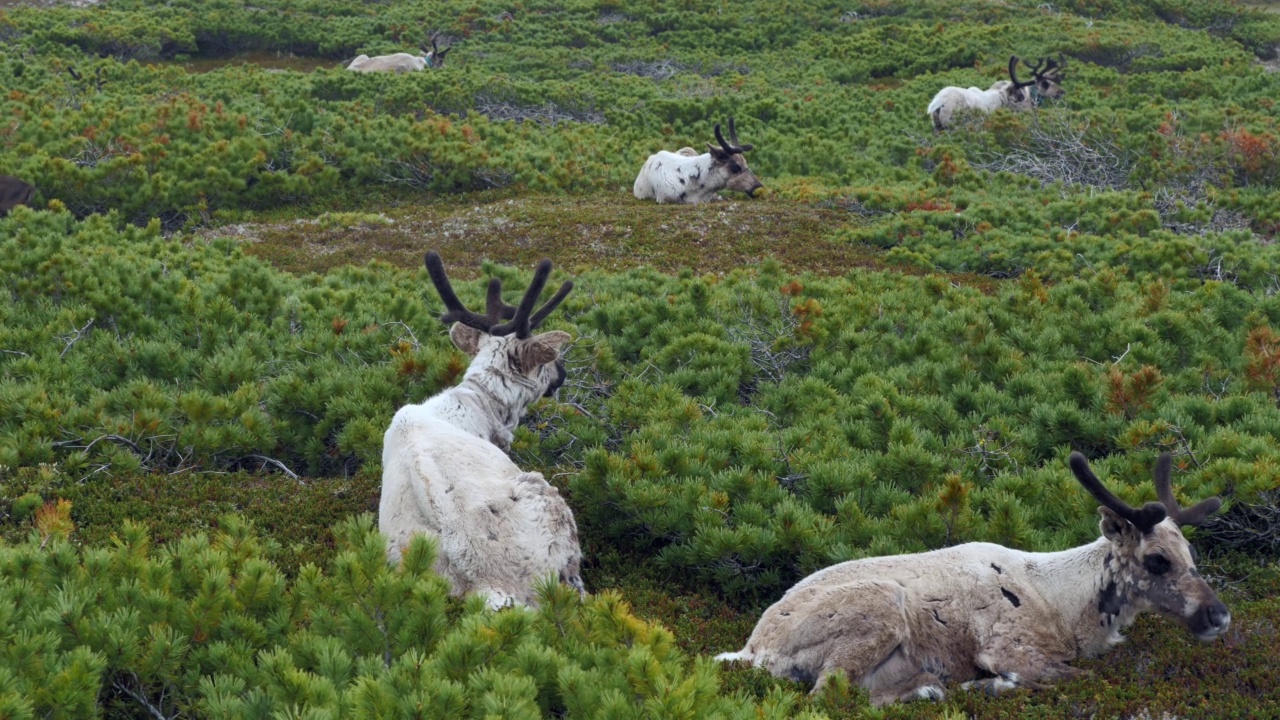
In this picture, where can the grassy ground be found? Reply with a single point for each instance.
(609, 231)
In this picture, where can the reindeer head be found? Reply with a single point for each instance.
(1152, 563)
(14, 192)
(730, 166)
(528, 364)
(1048, 75)
(434, 56)
(1016, 95)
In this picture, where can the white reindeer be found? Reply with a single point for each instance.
(14, 192)
(445, 472)
(402, 62)
(1011, 93)
(989, 616)
(686, 177)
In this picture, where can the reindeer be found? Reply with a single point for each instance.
(445, 472)
(403, 62)
(686, 177)
(988, 616)
(1010, 93)
(14, 192)
(1048, 82)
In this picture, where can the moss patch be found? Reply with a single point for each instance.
(612, 232)
(296, 517)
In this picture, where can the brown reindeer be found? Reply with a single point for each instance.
(14, 192)
(989, 616)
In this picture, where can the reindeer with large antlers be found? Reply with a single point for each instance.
(686, 177)
(1011, 93)
(403, 62)
(445, 472)
(989, 616)
(14, 192)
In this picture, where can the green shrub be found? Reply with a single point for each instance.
(207, 626)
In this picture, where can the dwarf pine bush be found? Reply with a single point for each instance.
(563, 101)
(733, 431)
(681, 435)
(207, 627)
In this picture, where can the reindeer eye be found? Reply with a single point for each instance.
(1156, 564)
(735, 168)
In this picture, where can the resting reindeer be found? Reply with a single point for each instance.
(402, 62)
(1011, 93)
(686, 177)
(986, 615)
(14, 192)
(445, 472)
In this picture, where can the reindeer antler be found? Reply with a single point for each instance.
(733, 137)
(1055, 68)
(1194, 515)
(1144, 519)
(495, 309)
(1013, 73)
(435, 49)
(522, 323)
(732, 149)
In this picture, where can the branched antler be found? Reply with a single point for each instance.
(1013, 73)
(1144, 518)
(522, 319)
(1194, 515)
(734, 148)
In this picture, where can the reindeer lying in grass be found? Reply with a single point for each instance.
(402, 62)
(989, 616)
(1010, 93)
(445, 472)
(14, 192)
(686, 177)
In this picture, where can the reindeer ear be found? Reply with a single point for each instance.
(541, 349)
(467, 339)
(716, 152)
(1117, 529)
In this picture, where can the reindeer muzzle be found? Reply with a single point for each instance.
(1210, 621)
(558, 382)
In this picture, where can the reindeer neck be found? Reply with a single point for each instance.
(1087, 589)
(703, 163)
(476, 407)
(504, 401)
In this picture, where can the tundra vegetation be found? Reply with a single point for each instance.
(215, 304)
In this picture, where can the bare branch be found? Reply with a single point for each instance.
(75, 338)
(141, 699)
(276, 463)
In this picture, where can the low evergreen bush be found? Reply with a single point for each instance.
(206, 627)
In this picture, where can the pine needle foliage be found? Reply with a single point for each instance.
(208, 627)
(917, 413)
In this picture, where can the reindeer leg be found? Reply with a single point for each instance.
(1016, 665)
(921, 686)
(858, 629)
